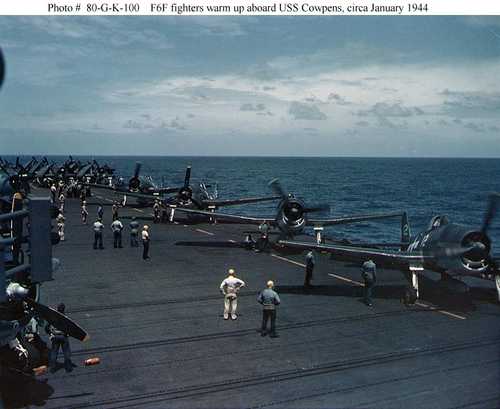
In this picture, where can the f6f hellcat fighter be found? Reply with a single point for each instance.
(196, 197)
(450, 249)
(136, 184)
(292, 215)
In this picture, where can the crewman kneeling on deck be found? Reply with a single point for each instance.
(117, 228)
(269, 300)
(369, 274)
(230, 287)
(145, 242)
(263, 241)
(134, 232)
(98, 227)
(249, 242)
(59, 339)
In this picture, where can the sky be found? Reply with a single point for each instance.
(288, 86)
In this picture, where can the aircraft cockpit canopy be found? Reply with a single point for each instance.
(438, 221)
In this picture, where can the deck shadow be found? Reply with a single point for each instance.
(19, 391)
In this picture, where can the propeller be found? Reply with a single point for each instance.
(134, 182)
(58, 320)
(293, 209)
(17, 293)
(475, 248)
(187, 178)
(277, 188)
(491, 211)
(323, 207)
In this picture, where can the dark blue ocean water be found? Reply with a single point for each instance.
(423, 187)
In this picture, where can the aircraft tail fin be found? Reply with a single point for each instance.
(405, 231)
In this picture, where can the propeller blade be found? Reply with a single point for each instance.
(490, 212)
(323, 207)
(277, 188)
(187, 178)
(137, 169)
(457, 251)
(58, 320)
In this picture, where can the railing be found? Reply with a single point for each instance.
(39, 267)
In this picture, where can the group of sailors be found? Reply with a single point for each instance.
(117, 226)
(268, 298)
(117, 229)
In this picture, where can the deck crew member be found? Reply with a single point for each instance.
(117, 227)
(497, 283)
(263, 240)
(369, 275)
(59, 340)
(145, 242)
(114, 211)
(100, 212)
(249, 242)
(310, 262)
(156, 212)
(85, 212)
(60, 219)
(134, 233)
(98, 227)
(269, 300)
(83, 196)
(53, 192)
(60, 188)
(61, 202)
(229, 288)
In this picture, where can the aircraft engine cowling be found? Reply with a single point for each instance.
(291, 219)
(476, 259)
(185, 195)
(134, 183)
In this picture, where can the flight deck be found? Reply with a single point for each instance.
(158, 330)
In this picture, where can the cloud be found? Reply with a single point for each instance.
(214, 25)
(482, 21)
(103, 30)
(252, 108)
(471, 103)
(309, 112)
(176, 124)
(481, 128)
(146, 122)
(310, 130)
(388, 110)
(336, 98)
(362, 123)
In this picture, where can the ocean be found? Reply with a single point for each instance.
(426, 187)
